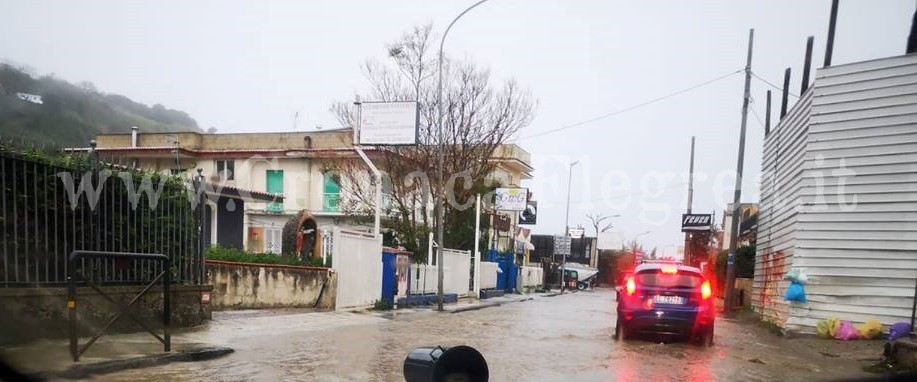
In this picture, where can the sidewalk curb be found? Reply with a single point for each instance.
(83, 371)
(486, 305)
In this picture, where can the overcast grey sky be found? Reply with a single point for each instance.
(249, 66)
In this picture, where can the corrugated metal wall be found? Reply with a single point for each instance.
(857, 232)
(781, 187)
(839, 198)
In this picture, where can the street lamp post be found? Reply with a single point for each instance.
(440, 205)
(633, 248)
(563, 266)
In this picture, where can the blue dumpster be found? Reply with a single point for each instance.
(506, 279)
(388, 278)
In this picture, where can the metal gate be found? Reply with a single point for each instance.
(94, 259)
(357, 259)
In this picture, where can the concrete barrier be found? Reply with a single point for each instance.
(260, 286)
(33, 313)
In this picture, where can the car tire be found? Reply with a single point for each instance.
(620, 330)
(581, 286)
(705, 337)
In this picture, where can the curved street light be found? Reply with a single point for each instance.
(563, 264)
(634, 247)
(440, 214)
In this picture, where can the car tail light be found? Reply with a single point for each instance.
(630, 286)
(669, 269)
(705, 290)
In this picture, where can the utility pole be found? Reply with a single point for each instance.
(737, 199)
(688, 258)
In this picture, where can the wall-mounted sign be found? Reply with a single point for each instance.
(511, 199)
(502, 223)
(529, 215)
(388, 123)
(696, 222)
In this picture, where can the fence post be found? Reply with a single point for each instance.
(71, 312)
(201, 204)
(167, 305)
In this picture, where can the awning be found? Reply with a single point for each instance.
(240, 193)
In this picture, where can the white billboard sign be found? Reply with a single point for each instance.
(511, 199)
(610, 240)
(388, 123)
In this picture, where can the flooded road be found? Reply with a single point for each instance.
(569, 337)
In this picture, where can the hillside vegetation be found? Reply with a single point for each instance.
(72, 114)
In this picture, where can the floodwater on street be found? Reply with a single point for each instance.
(568, 337)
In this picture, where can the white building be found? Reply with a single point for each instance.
(301, 166)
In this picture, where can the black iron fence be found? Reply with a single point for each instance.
(54, 204)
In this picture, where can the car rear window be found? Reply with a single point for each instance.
(655, 278)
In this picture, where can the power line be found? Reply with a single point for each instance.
(637, 106)
(755, 113)
(619, 196)
(771, 84)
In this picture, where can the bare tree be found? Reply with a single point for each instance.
(479, 116)
(600, 222)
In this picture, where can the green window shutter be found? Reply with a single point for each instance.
(332, 184)
(331, 192)
(275, 186)
(275, 181)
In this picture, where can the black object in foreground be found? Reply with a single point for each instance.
(439, 364)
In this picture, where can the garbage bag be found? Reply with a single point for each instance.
(870, 329)
(796, 292)
(827, 328)
(792, 275)
(846, 331)
(796, 276)
(898, 330)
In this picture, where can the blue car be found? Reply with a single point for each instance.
(666, 299)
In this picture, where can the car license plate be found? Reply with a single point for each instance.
(673, 300)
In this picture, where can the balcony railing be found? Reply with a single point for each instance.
(331, 202)
(275, 207)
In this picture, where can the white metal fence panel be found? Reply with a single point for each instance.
(489, 273)
(531, 276)
(456, 274)
(423, 279)
(458, 277)
(357, 259)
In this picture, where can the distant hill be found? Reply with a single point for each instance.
(71, 115)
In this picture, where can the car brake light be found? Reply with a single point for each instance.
(705, 291)
(669, 269)
(630, 286)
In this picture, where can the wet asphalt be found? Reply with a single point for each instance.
(561, 338)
